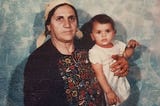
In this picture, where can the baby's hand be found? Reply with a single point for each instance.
(132, 43)
(112, 98)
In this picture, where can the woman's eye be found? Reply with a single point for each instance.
(72, 18)
(59, 19)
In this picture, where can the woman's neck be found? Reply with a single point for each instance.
(63, 47)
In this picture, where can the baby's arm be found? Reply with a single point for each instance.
(112, 98)
(130, 48)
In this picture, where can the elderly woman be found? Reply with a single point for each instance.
(59, 73)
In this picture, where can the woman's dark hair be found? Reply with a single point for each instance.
(51, 13)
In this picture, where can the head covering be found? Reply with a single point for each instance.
(48, 8)
(52, 5)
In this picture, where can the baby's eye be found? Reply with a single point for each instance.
(98, 32)
(108, 30)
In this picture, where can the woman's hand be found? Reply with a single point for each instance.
(121, 65)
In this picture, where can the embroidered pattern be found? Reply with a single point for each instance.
(81, 86)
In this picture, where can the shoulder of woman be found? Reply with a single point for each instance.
(47, 50)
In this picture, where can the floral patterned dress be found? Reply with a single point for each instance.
(81, 86)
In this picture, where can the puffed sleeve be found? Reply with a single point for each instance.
(94, 57)
(121, 45)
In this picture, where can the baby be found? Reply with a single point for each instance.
(102, 32)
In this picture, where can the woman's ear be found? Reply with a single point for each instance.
(79, 33)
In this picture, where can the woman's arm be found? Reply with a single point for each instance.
(36, 93)
(121, 63)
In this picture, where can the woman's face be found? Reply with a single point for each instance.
(63, 25)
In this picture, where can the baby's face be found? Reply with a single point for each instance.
(102, 34)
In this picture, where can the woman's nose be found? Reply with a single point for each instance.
(67, 23)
